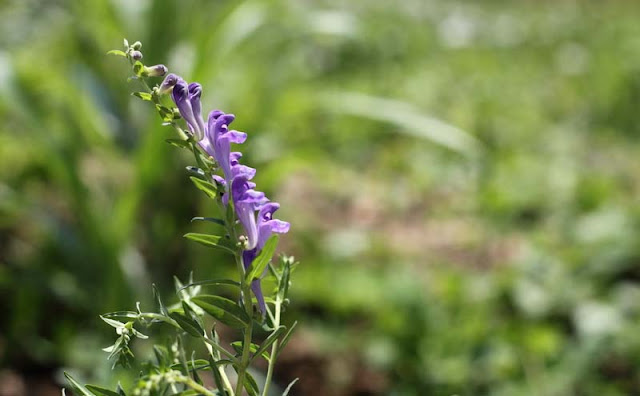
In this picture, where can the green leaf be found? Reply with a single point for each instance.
(76, 386)
(142, 95)
(224, 310)
(210, 219)
(121, 314)
(162, 355)
(250, 384)
(283, 286)
(198, 364)
(117, 53)
(286, 338)
(101, 391)
(187, 324)
(260, 262)
(165, 113)
(208, 240)
(237, 346)
(286, 391)
(138, 68)
(121, 391)
(156, 295)
(114, 323)
(179, 143)
(267, 343)
(195, 170)
(211, 282)
(206, 187)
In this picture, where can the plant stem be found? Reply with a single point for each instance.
(195, 386)
(220, 349)
(246, 345)
(274, 349)
(225, 380)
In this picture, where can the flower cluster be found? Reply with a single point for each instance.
(253, 209)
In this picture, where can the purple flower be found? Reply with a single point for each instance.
(187, 98)
(252, 208)
(218, 145)
(168, 83)
(266, 225)
(155, 70)
(246, 201)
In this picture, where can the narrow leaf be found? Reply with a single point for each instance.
(111, 322)
(224, 310)
(286, 391)
(198, 364)
(260, 262)
(205, 186)
(208, 240)
(250, 384)
(101, 391)
(211, 282)
(178, 143)
(121, 314)
(270, 340)
(187, 324)
(77, 386)
(156, 294)
(237, 346)
(195, 170)
(142, 95)
(286, 338)
(210, 219)
(117, 53)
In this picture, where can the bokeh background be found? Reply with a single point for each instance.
(462, 180)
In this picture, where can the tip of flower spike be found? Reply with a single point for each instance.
(136, 55)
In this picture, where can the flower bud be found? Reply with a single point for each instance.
(156, 70)
(137, 45)
(136, 55)
(167, 85)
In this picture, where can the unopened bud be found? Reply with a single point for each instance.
(137, 45)
(136, 55)
(167, 85)
(156, 70)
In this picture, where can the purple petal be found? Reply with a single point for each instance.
(237, 137)
(168, 83)
(243, 170)
(180, 96)
(195, 92)
(257, 291)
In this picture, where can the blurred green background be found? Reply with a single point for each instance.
(462, 180)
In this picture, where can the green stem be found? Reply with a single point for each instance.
(225, 380)
(221, 350)
(195, 386)
(274, 349)
(246, 345)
